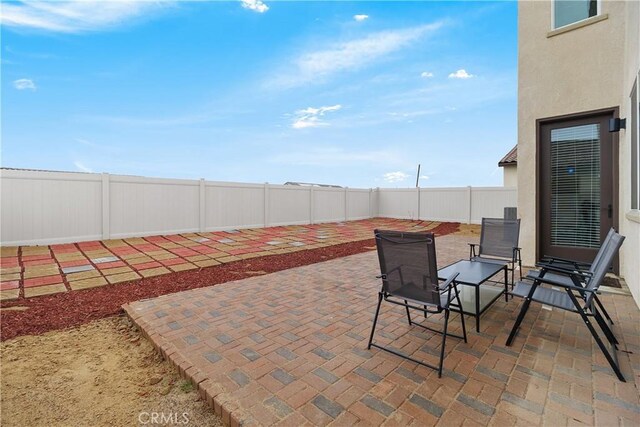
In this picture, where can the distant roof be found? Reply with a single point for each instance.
(510, 159)
(311, 184)
(38, 170)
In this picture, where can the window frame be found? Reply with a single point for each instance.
(553, 15)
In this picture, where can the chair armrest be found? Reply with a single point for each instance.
(552, 259)
(448, 282)
(565, 271)
(542, 279)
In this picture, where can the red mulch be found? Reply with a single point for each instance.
(74, 308)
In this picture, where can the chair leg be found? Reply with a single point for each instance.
(444, 340)
(605, 328)
(603, 348)
(604, 311)
(408, 314)
(523, 312)
(375, 320)
(464, 329)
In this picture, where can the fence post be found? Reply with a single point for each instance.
(418, 198)
(370, 191)
(266, 204)
(106, 208)
(470, 207)
(312, 204)
(346, 206)
(203, 206)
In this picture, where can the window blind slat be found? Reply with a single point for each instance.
(575, 186)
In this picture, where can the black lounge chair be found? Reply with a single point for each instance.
(577, 294)
(409, 276)
(583, 267)
(499, 244)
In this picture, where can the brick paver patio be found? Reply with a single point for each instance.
(31, 271)
(289, 348)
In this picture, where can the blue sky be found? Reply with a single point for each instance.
(347, 93)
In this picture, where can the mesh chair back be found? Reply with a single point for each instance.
(601, 251)
(499, 237)
(599, 269)
(408, 265)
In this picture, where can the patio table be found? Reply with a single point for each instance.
(475, 298)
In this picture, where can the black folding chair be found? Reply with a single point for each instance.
(577, 294)
(498, 243)
(409, 274)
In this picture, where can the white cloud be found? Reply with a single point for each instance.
(460, 74)
(311, 117)
(360, 18)
(426, 74)
(350, 55)
(74, 16)
(424, 177)
(81, 167)
(24, 84)
(395, 176)
(255, 5)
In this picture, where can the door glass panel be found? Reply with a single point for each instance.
(575, 186)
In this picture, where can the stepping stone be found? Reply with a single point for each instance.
(201, 240)
(297, 244)
(322, 237)
(77, 269)
(105, 259)
(232, 231)
(274, 242)
(226, 241)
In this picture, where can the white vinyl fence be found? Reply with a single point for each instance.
(59, 207)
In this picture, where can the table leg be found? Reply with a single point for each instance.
(506, 284)
(477, 308)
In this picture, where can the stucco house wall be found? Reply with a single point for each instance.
(590, 67)
(510, 176)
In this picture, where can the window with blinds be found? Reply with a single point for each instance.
(575, 186)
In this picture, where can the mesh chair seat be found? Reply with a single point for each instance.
(546, 296)
(414, 294)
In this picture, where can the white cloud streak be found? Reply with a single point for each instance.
(426, 74)
(255, 5)
(24, 84)
(312, 117)
(393, 177)
(460, 74)
(74, 16)
(350, 55)
(360, 18)
(81, 167)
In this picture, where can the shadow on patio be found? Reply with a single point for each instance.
(290, 348)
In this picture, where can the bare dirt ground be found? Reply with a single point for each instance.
(103, 373)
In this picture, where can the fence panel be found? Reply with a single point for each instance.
(288, 205)
(328, 204)
(42, 208)
(358, 204)
(233, 205)
(149, 206)
(398, 203)
(444, 204)
(489, 202)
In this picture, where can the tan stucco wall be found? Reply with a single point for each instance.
(630, 255)
(580, 70)
(510, 176)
